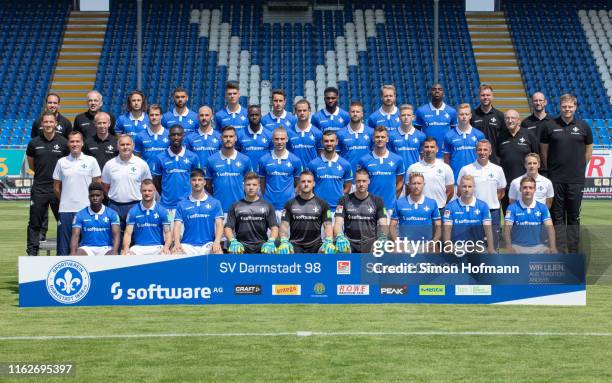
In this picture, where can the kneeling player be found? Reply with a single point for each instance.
(249, 220)
(360, 218)
(201, 217)
(148, 224)
(96, 228)
(525, 220)
(305, 215)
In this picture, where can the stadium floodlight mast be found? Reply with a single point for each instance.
(139, 44)
(436, 37)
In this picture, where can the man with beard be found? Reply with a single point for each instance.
(304, 138)
(332, 116)
(355, 141)
(536, 120)
(135, 120)
(278, 116)
(205, 141)
(180, 115)
(52, 104)
(388, 113)
(487, 119)
(254, 141)
(436, 119)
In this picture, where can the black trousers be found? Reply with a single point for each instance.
(39, 205)
(565, 211)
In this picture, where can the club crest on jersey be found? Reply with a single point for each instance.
(339, 209)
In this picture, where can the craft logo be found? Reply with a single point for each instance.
(353, 290)
(247, 289)
(473, 290)
(432, 290)
(343, 267)
(286, 289)
(68, 282)
(394, 290)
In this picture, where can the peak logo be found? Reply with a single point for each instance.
(286, 289)
(247, 289)
(155, 292)
(353, 290)
(394, 290)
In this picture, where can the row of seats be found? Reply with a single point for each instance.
(598, 29)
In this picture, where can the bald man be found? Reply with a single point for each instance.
(103, 145)
(539, 117)
(205, 141)
(85, 123)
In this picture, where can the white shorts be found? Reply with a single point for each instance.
(95, 250)
(537, 249)
(146, 250)
(197, 250)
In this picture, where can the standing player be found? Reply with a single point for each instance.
(535, 121)
(102, 146)
(233, 114)
(388, 114)
(355, 141)
(198, 224)
(407, 141)
(135, 120)
(487, 119)
(360, 218)
(180, 115)
(95, 230)
(333, 174)
(85, 123)
(149, 143)
(249, 221)
(205, 141)
(52, 104)
(148, 225)
(460, 143)
(254, 141)
(544, 192)
(525, 220)
(436, 119)
(304, 138)
(278, 116)
(226, 169)
(305, 215)
(332, 116)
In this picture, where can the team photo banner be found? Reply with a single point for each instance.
(546, 279)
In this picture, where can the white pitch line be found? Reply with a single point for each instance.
(310, 333)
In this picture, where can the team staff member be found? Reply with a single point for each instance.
(254, 141)
(121, 178)
(42, 153)
(306, 214)
(278, 116)
(180, 115)
(360, 218)
(407, 141)
(205, 141)
(304, 138)
(149, 143)
(233, 114)
(525, 220)
(52, 104)
(148, 225)
(436, 119)
(388, 113)
(71, 178)
(332, 116)
(487, 119)
(536, 120)
(102, 146)
(355, 141)
(460, 143)
(566, 148)
(249, 221)
(95, 230)
(135, 120)
(85, 123)
(544, 192)
(201, 217)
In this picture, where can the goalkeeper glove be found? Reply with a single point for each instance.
(268, 247)
(236, 247)
(328, 246)
(285, 247)
(342, 244)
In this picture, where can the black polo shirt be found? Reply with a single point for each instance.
(491, 124)
(101, 150)
(64, 126)
(85, 124)
(513, 149)
(46, 153)
(566, 149)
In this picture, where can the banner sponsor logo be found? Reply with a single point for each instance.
(343, 267)
(393, 290)
(247, 289)
(286, 289)
(68, 282)
(353, 290)
(155, 292)
(473, 290)
(432, 290)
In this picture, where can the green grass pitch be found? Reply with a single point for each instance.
(510, 344)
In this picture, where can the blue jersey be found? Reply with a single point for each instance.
(379, 118)
(204, 145)
(330, 177)
(149, 145)
(175, 170)
(148, 224)
(96, 228)
(254, 145)
(238, 120)
(416, 219)
(198, 218)
(323, 120)
(189, 122)
(280, 174)
(436, 122)
(383, 172)
(227, 175)
(125, 124)
(467, 220)
(271, 122)
(461, 147)
(305, 144)
(354, 145)
(527, 222)
(408, 146)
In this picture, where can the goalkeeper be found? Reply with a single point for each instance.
(360, 218)
(250, 220)
(302, 220)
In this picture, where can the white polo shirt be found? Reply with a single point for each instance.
(125, 177)
(437, 176)
(488, 179)
(544, 189)
(76, 175)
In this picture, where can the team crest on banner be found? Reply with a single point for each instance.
(68, 282)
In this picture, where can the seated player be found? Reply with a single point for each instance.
(147, 225)
(525, 221)
(306, 214)
(201, 217)
(96, 228)
(360, 218)
(249, 221)
(544, 188)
